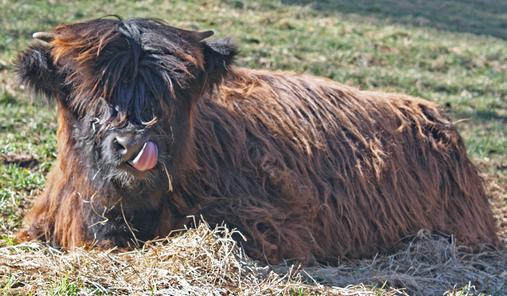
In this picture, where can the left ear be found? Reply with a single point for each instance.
(35, 69)
(218, 57)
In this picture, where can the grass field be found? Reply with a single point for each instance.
(451, 52)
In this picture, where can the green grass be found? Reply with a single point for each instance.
(451, 52)
(482, 17)
(64, 287)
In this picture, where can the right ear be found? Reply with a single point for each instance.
(218, 57)
(35, 70)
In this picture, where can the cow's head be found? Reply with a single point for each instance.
(127, 89)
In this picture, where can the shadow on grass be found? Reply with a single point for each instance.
(481, 17)
(481, 116)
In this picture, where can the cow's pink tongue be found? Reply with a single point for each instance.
(147, 158)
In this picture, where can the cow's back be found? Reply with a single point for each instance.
(308, 168)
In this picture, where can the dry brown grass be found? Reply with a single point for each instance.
(204, 261)
(197, 262)
(428, 265)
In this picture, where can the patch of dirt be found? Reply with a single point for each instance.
(496, 185)
(20, 159)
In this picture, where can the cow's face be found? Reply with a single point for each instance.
(129, 88)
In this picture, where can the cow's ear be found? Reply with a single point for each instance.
(218, 57)
(35, 70)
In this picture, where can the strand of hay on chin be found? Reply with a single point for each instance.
(199, 261)
(430, 264)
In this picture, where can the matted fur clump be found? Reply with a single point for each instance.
(156, 124)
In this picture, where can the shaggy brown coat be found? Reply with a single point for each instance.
(306, 168)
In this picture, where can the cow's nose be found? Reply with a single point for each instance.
(127, 146)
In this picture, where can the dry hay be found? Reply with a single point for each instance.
(199, 261)
(428, 265)
(203, 261)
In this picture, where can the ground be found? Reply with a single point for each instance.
(450, 52)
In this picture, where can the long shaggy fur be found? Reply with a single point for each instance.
(306, 168)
